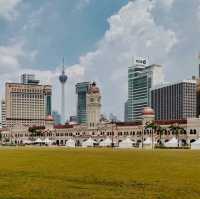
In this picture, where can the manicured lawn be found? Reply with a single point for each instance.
(99, 174)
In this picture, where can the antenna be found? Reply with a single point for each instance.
(63, 65)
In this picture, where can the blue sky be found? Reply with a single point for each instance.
(98, 39)
(66, 28)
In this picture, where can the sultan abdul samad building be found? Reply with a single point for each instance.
(99, 129)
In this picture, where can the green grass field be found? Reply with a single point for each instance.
(99, 174)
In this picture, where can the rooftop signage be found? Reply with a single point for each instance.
(140, 61)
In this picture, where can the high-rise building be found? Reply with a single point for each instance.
(57, 118)
(93, 106)
(63, 79)
(73, 119)
(198, 90)
(199, 65)
(198, 97)
(27, 104)
(82, 91)
(175, 101)
(3, 113)
(141, 78)
(113, 117)
(29, 79)
(126, 111)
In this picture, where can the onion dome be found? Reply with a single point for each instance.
(148, 111)
(49, 118)
(93, 88)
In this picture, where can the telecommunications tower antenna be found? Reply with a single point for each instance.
(63, 79)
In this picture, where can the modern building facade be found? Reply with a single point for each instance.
(175, 101)
(82, 91)
(198, 97)
(3, 113)
(27, 104)
(57, 118)
(126, 111)
(73, 119)
(141, 78)
(29, 79)
(93, 106)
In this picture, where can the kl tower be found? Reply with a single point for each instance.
(63, 79)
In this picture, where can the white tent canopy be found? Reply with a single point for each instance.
(89, 143)
(148, 141)
(70, 143)
(127, 143)
(196, 144)
(147, 144)
(172, 143)
(105, 143)
(38, 140)
(47, 141)
(27, 142)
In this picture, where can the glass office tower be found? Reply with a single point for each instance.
(81, 91)
(141, 78)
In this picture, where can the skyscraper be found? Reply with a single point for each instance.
(199, 64)
(126, 111)
(93, 106)
(57, 118)
(3, 113)
(27, 104)
(28, 79)
(175, 101)
(82, 90)
(63, 79)
(141, 78)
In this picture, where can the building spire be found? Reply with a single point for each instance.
(63, 65)
(63, 79)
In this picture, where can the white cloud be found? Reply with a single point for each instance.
(8, 8)
(11, 68)
(10, 56)
(139, 29)
(132, 32)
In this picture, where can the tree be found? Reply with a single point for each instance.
(154, 127)
(175, 128)
(160, 130)
(36, 131)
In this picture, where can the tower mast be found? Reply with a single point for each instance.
(63, 79)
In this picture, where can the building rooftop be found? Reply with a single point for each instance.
(166, 84)
(170, 122)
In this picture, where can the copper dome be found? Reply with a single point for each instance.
(49, 118)
(148, 111)
(93, 88)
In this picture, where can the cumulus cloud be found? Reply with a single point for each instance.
(8, 8)
(11, 67)
(138, 29)
(10, 56)
(132, 32)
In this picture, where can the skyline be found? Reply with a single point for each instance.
(165, 38)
